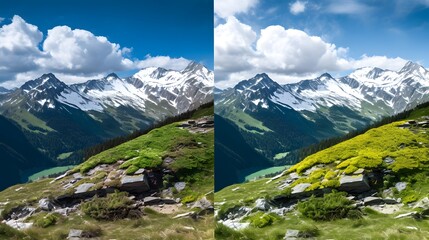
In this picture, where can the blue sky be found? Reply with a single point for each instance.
(174, 31)
(353, 34)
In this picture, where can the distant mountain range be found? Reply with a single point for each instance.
(277, 120)
(60, 119)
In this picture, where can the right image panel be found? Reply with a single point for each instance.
(322, 119)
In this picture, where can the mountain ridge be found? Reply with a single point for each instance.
(296, 115)
(46, 108)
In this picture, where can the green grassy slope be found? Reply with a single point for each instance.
(409, 149)
(193, 155)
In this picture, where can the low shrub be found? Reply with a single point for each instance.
(45, 220)
(308, 231)
(331, 206)
(91, 231)
(409, 195)
(113, 206)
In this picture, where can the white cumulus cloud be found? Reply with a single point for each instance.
(226, 8)
(164, 62)
(297, 7)
(288, 55)
(81, 51)
(72, 54)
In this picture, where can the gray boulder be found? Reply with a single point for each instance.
(300, 188)
(180, 186)
(389, 201)
(75, 234)
(203, 204)
(372, 201)
(423, 203)
(140, 171)
(354, 183)
(291, 234)
(135, 183)
(400, 186)
(158, 200)
(388, 160)
(45, 204)
(261, 204)
(83, 188)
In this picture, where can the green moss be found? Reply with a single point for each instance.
(131, 170)
(189, 198)
(409, 195)
(350, 169)
(409, 149)
(317, 175)
(261, 219)
(314, 186)
(330, 175)
(333, 183)
(45, 220)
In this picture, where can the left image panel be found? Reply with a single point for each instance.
(106, 119)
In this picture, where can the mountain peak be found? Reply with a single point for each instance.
(4, 90)
(48, 75)
(325, 76)
(158, 73)
(410, 66)
(47, 80)
(262, 75)
(193, 66)
(112, 76)
(260, 80)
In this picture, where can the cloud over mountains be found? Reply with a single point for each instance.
(74, 54)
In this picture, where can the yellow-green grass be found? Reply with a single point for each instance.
(408, 147)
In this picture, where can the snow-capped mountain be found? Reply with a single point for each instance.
(156, 91)
(48, 109)
(4, 90)
(326, 106)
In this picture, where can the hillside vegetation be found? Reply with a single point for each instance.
(156, 186)
(373, 186)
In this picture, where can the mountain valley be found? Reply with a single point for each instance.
(279, 121)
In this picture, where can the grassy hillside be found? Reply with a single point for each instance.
(393, 159)
(114, 213)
